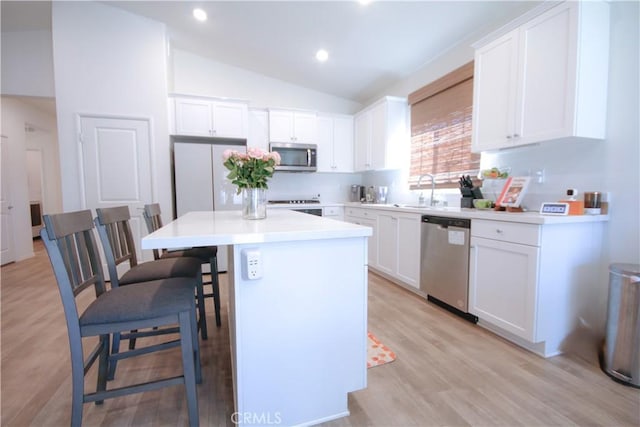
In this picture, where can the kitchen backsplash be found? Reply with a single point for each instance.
(332, 187)
(564, 164)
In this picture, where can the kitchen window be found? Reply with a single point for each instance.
(441, 130)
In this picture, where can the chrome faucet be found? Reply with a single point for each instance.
(433, 187)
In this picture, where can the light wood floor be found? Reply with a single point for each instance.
(447, 372)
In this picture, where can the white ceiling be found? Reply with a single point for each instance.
(371, 47)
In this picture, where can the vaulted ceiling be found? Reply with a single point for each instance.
(370, 46)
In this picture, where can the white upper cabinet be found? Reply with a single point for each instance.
(544, 80)
(210, 118)
(335, 143)
(382, 135)
(258, 136)
(292, 126)
(362, 141)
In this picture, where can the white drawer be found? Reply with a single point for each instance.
(525, 234)
(332, 211)
(360, 213)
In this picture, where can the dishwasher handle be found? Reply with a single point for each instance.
(445, 222)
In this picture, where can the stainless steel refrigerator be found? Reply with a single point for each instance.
(200, 182)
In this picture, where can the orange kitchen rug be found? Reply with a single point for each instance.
(378, 353)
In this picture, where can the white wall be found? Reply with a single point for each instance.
(27, 63)
(15, 115)
(108, 61)
(196, 75)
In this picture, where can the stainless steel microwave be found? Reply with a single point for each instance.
(296, 157)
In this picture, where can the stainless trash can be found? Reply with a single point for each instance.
(621, 352)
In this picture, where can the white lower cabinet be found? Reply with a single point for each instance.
(333, 212)
(368, 218)
(399, 246)
(503, 285)
(409, 249)
(529, 282)
(387, 242)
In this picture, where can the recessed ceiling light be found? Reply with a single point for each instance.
(200, 14)
(322, 55)
(364, 2)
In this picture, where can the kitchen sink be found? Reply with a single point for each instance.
(413, 206)
(427, 207)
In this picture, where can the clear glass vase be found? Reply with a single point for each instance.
(254, 203)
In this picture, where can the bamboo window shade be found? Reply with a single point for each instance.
(441, 130)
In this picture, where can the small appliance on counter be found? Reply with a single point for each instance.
(576, 207)
(370, 194)
(381, 194)
(592, 203)
(469, 192)
(357, 193)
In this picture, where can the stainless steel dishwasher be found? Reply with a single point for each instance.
(444, 267)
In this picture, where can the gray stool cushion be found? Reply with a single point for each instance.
(204, 254)
(140, 301)
(161, 269)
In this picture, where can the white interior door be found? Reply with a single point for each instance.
(35, 188)
(7, 253)
(116, 162)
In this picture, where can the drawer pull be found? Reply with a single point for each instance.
(499, 231)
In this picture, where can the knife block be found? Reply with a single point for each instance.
(466, 202)
(468, 194)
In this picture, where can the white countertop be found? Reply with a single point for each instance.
(454, 212)
(228, 228)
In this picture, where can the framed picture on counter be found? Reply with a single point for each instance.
(513, 191)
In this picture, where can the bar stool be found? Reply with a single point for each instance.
(206, 254)
(74, 256)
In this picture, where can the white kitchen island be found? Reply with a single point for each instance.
(297, 319)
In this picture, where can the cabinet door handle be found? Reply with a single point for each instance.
(515, 135)
(508, 136)
(499, 231)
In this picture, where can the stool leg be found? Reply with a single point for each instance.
(202, 318)
(216, 288)
(115, 348)
(103, 365)
(188, 367)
